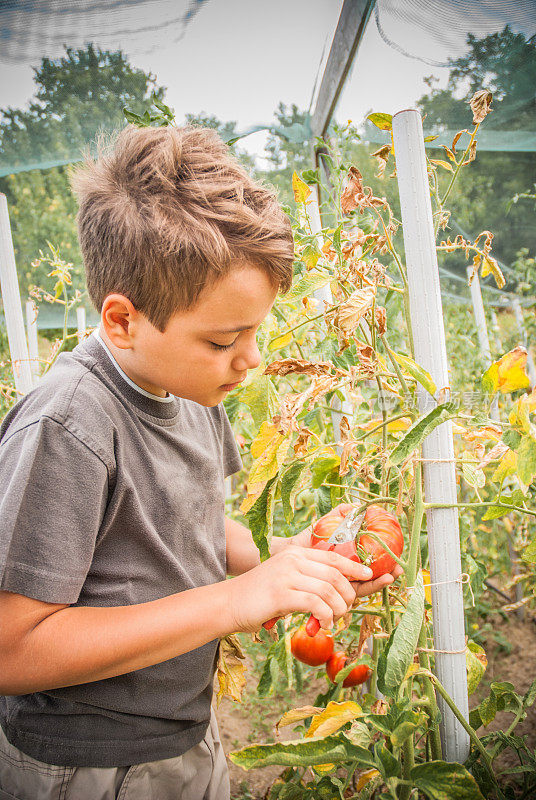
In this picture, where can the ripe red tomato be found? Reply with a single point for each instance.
(312, 650)
(378, 521)
(358, 675)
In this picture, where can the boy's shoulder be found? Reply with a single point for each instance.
(72, 396)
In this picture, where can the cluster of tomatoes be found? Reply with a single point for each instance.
(319, 649)
(310, 644)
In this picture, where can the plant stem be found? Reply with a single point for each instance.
(477, 505)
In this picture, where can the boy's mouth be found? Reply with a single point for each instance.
(228, 386)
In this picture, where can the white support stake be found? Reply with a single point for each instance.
(9, 286)
(81, 322)
(31, 330)
(531, 369)
(438, 448)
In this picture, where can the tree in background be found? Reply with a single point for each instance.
(503, 63)
(77, 95)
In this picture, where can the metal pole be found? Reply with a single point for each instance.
(438, 449)
(9, 286)
(531, 369)
(31, 329)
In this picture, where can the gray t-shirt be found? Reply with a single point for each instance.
(109, 497)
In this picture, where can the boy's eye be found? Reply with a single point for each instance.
(221, 346)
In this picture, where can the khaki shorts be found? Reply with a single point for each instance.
(199, 774)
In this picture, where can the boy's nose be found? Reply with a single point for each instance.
(249, 358)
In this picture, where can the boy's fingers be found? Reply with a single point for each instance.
(370, 587)
(352, 570)
(333, 576)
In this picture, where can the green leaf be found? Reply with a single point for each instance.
(529, 553)
(261, 397)
(440, 780)
(420, 430)
(475, 666)
(382, 121)
(386, 763)
(307, 752)
(405, 637)
(502, 697)
(307, 285)
(526, 460)
(416, 371)
(322, 467)
(260, 519)
(511, 438)
(289, 487)
(473, 475)
(310, 176)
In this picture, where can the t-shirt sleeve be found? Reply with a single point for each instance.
(231, 455)
(53, 495)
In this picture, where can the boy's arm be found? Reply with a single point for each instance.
(46, 646)
(242, 552)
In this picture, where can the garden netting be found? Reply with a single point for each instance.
(89, 59)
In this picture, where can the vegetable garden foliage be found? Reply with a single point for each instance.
(357, 350)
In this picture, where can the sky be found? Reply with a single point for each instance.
(237, 59)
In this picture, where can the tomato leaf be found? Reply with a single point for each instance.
(440, 780)
(290, 484)
(260, 519)
(261, 397)
(476, 663)
(382, 121)
(306, 286)
(416, 371)
(420, 430)
(300, 189)
(308, 752)
(400, 648)
(526, 460)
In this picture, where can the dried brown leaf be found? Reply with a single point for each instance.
(480, 104)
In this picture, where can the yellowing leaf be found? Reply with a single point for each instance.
(519, 415)
(301, 190)
(280, 341)
(382, 121)
(427, 588)
(268, 449)
(231, 670)
(508, 373)
(440, 163)
(507, 466)
(416, 371)
(491, 266)
(297, 715)
(334, 716)
(366, 777)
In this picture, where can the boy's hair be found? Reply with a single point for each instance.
(165, 212)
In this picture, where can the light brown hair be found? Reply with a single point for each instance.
(165, 212)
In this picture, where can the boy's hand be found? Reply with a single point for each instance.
(297, 579)
(363, 588)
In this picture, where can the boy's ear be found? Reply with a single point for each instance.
(118, 318)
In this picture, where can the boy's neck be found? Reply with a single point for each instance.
(115, 353)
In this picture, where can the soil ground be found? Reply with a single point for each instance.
(254, 719)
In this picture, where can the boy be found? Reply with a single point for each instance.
(113, 546)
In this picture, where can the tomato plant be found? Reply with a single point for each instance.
(312, 650)
(334, 420)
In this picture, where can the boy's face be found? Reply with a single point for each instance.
(204, 352)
